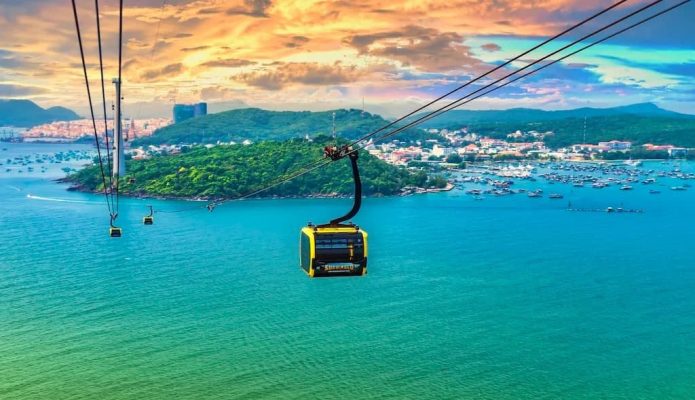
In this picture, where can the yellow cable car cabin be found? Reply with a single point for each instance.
(333, 250)
(115, 232)
(336, 248)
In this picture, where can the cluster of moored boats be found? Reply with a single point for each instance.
(597, 176)
(609, 210)
(30, 162)
(603, 176)
(503, 188)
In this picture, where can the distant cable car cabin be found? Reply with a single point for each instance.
(114, 231)
(336, 248)
(148, 219)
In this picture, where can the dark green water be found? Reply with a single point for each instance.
(506, 298)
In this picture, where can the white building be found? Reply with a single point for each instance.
(440, 151)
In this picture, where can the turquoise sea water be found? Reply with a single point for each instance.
(506, 298)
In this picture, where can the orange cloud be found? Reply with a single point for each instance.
(249, 49)
(168, 71)
(299, 73)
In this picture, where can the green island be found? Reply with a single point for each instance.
(230, 171)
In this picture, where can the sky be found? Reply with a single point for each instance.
(389, 55)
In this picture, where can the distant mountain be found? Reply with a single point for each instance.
(256, 124)
(640, 123)
(529, 115)
(26, 113)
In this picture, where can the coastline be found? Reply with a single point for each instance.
(403, 193)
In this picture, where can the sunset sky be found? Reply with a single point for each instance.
(311, 54)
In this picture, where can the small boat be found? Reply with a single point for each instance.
(626, 187)
(654, 191)
(534, 195)
(678, 188)
(555, 196)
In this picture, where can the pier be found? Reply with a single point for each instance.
(11, 134)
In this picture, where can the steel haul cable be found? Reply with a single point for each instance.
(458, 102)
(283, 179)
(103, 98)
(549, 40)
(139, 110)
(497, 68)
(120, 95)
(454, 104)
(91, 107)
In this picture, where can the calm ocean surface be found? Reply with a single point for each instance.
(506, 298)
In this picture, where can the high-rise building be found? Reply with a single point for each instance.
(183, 112)
(200, 109)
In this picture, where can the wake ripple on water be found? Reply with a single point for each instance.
(59, 200)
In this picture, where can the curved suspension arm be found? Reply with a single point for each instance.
(358, 191)
(113, 219)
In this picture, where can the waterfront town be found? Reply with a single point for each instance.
(485, 166)
(443, 147)
(456, 146)
(68, 131)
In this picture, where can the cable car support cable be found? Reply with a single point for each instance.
(318, 164)
(103, 99)
(458, 102)
(91, 108)
(493, 70)
(311, 166)
(120, 95)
